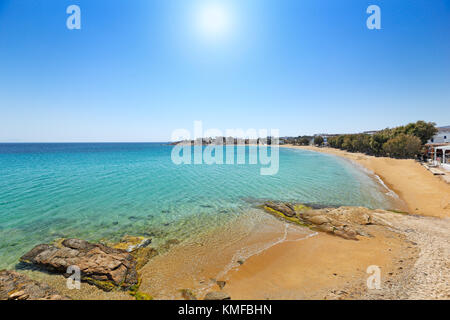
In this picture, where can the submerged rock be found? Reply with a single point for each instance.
(107, 268)
(17, 286)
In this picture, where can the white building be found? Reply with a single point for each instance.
(443, 136)
(443, 159)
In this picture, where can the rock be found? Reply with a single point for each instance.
(217, 295)
(130, 243)
(318, 220)
(344, 222)
(138, 247)
(346, 234)
(17, 286)
(285, 208)
(221, 284)
(187, 294)
(107, 268)
(325, 228)
(143, 256)
(364, 233)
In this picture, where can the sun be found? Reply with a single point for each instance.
(214, 20)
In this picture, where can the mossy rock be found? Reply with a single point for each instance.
(143, 256)
(300, 208)
(131, 243)
(104, 285)
(400, 212)
(142, 296)
(138, 295)
(284, 217)
(58, 242)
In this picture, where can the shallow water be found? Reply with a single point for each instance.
(104, 191)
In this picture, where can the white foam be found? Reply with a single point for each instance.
(390, 192)
(240, 255)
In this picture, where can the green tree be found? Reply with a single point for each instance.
(421, 129)
(318, 140)
(403, 146)
(377, 141)
(304, 141)
(347, 143)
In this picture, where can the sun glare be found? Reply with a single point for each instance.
(214, 20)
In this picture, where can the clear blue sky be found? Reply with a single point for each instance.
(139, 69)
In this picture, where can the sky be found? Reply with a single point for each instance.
(138, 70)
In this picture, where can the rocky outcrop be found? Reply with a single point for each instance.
(16, 286)
(345, 222)
(107, 268)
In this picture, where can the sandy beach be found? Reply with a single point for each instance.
(413, 259)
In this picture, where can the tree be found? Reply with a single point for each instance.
(318, 140)
(403, 146)
(377, 141)
(421, 129)
(304, 141)
(347, 143)
(402, 141)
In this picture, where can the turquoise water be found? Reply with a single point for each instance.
(104, 191)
